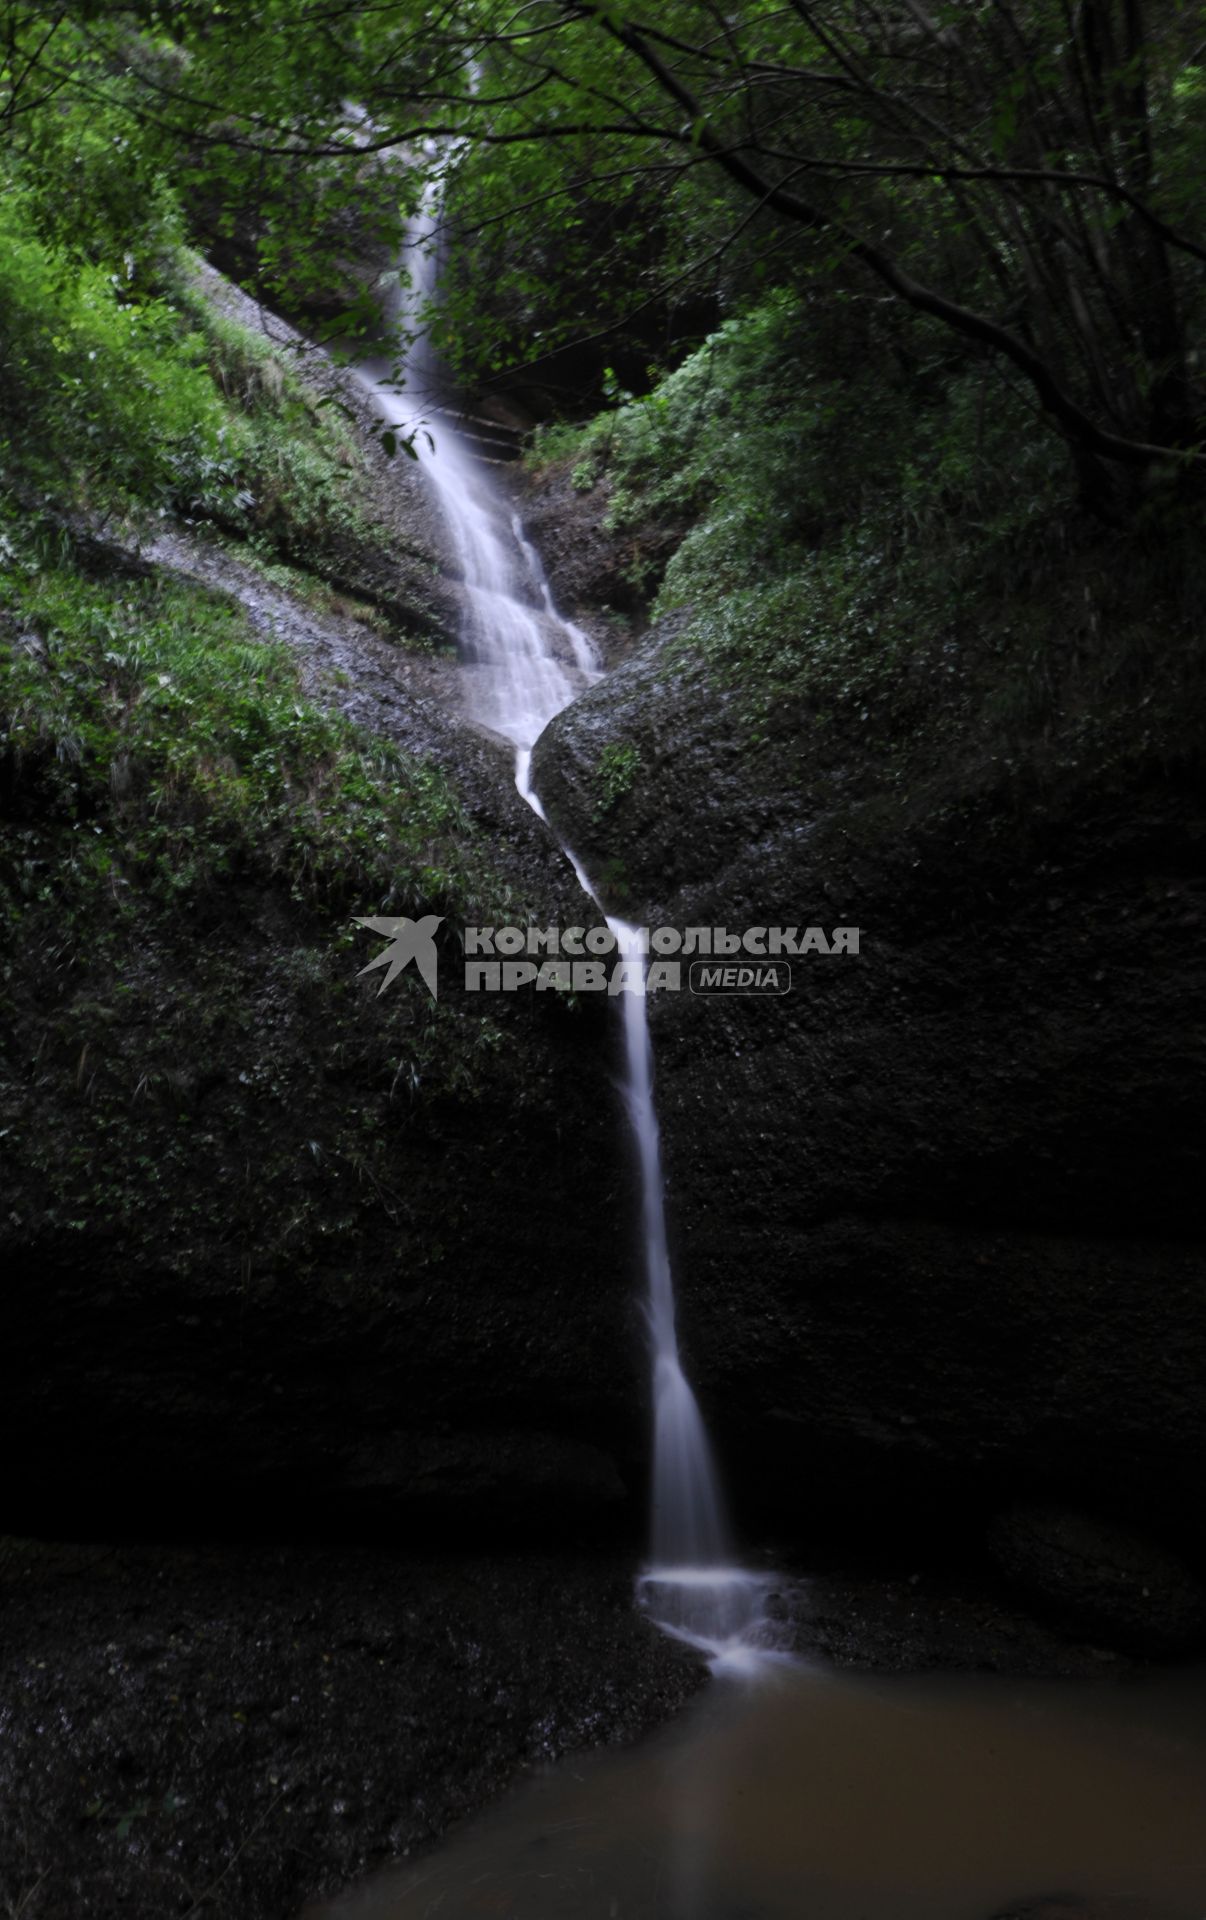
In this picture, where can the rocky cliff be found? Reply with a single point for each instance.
(935, 1211)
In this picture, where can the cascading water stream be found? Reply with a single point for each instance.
(692, 1588)
(522, 664)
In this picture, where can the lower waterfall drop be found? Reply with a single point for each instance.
(692, 1588)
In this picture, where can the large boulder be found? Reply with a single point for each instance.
(1100, 1579)
(935, 1212)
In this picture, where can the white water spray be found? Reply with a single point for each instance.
(522, 663)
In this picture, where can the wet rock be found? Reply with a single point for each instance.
(394, 558)
(597, 577)
(1101, 1579)
(1070, 1906)
(235, 1730)
(1055, 1906)
(499, 1483)
(935, 1212)
(942, 1619)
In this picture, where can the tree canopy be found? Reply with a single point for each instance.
(1022, 174)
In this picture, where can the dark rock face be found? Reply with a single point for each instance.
(287, 1249)
(1100, 1579)
(585, 565)
(936, 1211)
(275, 1247)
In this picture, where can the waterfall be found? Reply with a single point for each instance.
(691, 1588)
(521, 664)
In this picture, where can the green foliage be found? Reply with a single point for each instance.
(194, 1070)
(296, 465)
(116, 399)
(1010, 173)
(537, 245)
(141, 1810)
(170, 752)
(93, 192)
(186, 842)
(810, 519)
(103, 392)
(614, 775)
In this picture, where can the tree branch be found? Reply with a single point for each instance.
(1077, 424)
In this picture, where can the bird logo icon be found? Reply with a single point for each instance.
(409, 940)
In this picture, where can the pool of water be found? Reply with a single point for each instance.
(807, 1794)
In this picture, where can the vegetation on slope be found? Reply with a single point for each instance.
(832, 528)
(125, 392)
(186, 836)
(186, 843)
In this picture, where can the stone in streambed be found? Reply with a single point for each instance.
(1100, 1578)
(1069, 1906)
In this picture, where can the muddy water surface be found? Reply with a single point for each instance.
(809, 1793)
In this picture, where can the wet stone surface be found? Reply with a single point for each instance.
(924, 1622)
(230, 1731)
